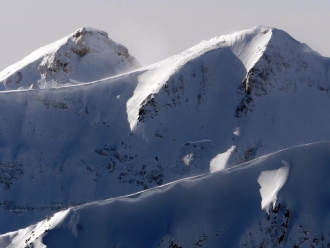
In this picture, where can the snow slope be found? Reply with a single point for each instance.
(221, 209)
(83, 56)
(219, 104)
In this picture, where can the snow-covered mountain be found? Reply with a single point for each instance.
(278, 200)
(216, 105)
(83, 56)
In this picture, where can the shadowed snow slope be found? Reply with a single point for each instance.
(221, 209)
(86, 55)
(228, 100)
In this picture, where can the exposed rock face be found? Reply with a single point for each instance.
(285, 66)
(86, 55)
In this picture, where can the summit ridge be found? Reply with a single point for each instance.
(117, 129)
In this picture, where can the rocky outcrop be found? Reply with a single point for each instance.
(86, 55)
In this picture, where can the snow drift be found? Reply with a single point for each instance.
(220, 209)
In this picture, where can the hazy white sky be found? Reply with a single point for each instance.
(156, 29)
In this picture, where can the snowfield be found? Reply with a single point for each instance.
(108, 128)
(220, 209)
(83, 56)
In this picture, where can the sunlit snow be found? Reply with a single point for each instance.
(219, 162)
(271, 183)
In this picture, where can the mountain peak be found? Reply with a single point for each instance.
(85, 55)
(84, 30)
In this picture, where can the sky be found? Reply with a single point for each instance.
(153, 30)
